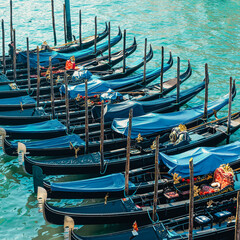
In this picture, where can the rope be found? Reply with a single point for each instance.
(106, 165)
(151, 218)
(133, 192)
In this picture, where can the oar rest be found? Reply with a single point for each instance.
(221, 216)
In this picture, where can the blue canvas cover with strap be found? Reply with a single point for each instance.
(205, 159)
(55, 143)
(46, 126)
(155, 122)
(122, 109)
(17, 100)
(57, 57)
(109, 183)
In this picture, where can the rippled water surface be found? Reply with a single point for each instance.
(204, 31)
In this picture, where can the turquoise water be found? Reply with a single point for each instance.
(204, 31)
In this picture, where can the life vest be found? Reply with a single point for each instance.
(69, 65)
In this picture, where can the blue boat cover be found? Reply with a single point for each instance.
(55, 143)
(81, 75)
(111, 95)
(46, 126)
(17, 100)
(205, 159)
(109, 183)
(57, 57)
(155, 122)
(121, 109)
(95, 86)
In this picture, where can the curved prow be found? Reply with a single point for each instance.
(3, 134)
(68, 225)
(21, 150)
(234, 89)
(41, 197)
(170, 61)
(119, 32)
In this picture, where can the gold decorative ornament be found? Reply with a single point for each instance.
(76, 149)
(227, 168)
(72, 59)
(105, 198)
(153, 146)
(196, 191)
(176, 178)
(182, 127)
(139, 138)
(209, 203)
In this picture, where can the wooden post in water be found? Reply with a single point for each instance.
(229, 111)
(38, 76)
(162, 63)
(68, 20)
(80, 28)
(178, 81)
(28, 66)
(205, 115)
(124, 50)
(11, 22)
(3, 48)
(237, 224)
(102, 138)
(95, 39)
(64, 23)
(127, 167)
(191, 200)
(86, 117)
(154, 217)
(67, 102)
(53, 23)
(144, 69)
(109, 42)
(14, 58)
(52, 88)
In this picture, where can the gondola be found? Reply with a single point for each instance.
(214, 222)
(172, 201)
(160, 105)
(141, 180)
(59, 58)
(115, 73)
(141, 154)
(167, 104)
(96, 64)
(125, 84)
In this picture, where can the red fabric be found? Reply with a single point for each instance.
(135, 226)
(224, 178)
(69, 65)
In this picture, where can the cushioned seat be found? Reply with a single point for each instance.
(222, 214)
(171, 195)
(202, 220)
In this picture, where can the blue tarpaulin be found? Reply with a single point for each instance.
(57, 57)
(17, 100)
(205, 159)
(155, 122)
(121, 109)
(109, 183)
(55, 143)
(47, 126)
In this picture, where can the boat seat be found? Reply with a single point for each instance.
(202, 220)
(221, 216)
(171, 195)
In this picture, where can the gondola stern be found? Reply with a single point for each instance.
(42, 197)
(68, 225)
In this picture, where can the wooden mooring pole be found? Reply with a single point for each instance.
(14, 57)
(53, 24)
(95, 38)
(178, 82)
(145, 62)
(124, 50)
(205, 115)
(127, 167)
(68, 20)
(229, 111)
(161, 75)
(109, 42)
(102, 139)
(38, 76)
(86, 118)
(3, 48)
(52, 88)
(80, 28)
(28, 66)
(155, 198)
(11, 22)
(67, 102)
(64, 23)
(191, 200)
(237, 224)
